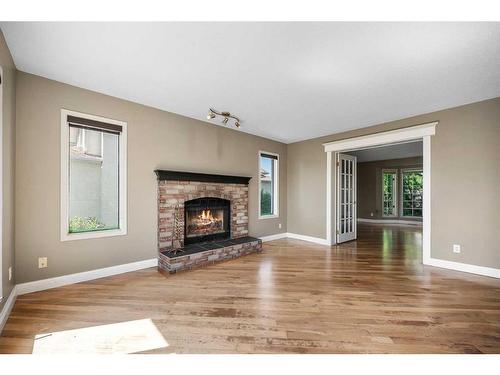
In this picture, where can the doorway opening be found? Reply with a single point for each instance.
(380, 200)
(342, 208)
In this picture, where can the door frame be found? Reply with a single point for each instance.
(404, 135)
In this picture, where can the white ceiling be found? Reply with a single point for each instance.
(399, 151)
(286, 81)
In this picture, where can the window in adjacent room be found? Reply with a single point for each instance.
(268, 185)
(412, 192)
(93, 177)
(389, 192)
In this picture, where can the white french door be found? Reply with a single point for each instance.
(346, 198)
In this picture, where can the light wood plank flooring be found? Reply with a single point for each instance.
(368, 296)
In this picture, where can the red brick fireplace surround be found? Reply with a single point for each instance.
(174, 189)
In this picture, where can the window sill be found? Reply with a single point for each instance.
(90, 235)
(268, 217)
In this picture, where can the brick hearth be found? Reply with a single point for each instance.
(208, 254)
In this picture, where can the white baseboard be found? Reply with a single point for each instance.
(279, 236)
(273, 237)
(320, 241)
(470, 268)
(390, 221)
(54, 282)
(7, 308)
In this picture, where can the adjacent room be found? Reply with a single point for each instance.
(249, 187)
(380, 201)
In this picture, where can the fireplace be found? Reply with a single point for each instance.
(202, 220)
(206, 219)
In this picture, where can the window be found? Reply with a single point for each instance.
(412, 192)
(85, 142)
(268, 185)
(93, 176)
(389, 193)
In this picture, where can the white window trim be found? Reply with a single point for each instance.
(275, 186)
(401, 172)
(64, 193)
(1, 182)
(395, 187)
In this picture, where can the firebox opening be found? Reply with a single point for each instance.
(205, 222)
(206, 219)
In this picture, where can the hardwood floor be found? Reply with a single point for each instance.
(368, 296)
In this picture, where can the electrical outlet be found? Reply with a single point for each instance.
(42, 262)
(10, 273)
(456, 249)
(371, 214)
(279, 225)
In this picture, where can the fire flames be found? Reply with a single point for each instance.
(204, 223)
(206, 216)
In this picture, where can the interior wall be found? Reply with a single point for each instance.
(156, 140)
(369, 186)
(8, 125)
(465, 161)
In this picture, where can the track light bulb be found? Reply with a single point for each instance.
(226, 116)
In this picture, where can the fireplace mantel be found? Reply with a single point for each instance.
(167, 175)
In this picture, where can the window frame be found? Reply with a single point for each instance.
(122, 180)
(275, 214)
(395, 195)
(401, 194)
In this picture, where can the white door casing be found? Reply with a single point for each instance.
(424, 132)
(346, 197)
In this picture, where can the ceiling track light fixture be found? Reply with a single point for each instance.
(226, 116)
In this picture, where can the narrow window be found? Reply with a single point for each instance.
(412, 192)
(389, 194)
(93, 177)
(268, 184)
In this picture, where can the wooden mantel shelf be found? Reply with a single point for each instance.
(164, 175)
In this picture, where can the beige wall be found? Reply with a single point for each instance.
(465, 157)
(156, 139)
(464, 184)
(8, 122)
(369, 185)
